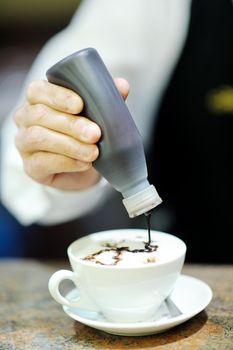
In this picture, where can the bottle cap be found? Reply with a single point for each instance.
(142, 201)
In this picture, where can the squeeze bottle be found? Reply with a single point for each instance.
(121, 158)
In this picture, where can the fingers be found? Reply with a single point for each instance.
(80, 128)
(58, 171)
(48, 108)
(74, 180)
(36, 139)
(57, 145)
(63, 99)
(54, 96)
(42, 166)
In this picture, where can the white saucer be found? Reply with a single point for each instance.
(190, 295)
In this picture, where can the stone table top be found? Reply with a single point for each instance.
(30, 319)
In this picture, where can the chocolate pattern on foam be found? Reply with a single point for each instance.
(149, 247)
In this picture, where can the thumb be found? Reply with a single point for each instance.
(123, 86)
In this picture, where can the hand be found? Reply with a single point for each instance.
(56, 143)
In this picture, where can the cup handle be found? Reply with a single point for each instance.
(82, 302)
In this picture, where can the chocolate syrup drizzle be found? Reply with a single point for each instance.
(148, 217)
(147, 249)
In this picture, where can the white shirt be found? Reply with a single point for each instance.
(139, 40)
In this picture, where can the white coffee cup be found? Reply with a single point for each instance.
(122, 293)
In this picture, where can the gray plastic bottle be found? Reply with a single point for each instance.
(121, 160)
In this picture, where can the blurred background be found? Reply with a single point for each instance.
(25, 26)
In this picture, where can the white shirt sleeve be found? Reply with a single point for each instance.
(137, 39)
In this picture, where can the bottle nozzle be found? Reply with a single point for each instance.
(142, 201)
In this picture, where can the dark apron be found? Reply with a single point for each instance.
(191, 160)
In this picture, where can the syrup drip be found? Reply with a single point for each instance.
(148, 217)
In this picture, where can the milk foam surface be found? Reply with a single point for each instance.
(126, 253)
(124, 259)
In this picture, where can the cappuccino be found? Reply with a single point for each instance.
(126, 250)
(124, 253)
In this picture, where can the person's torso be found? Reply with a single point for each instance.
(193, 143)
